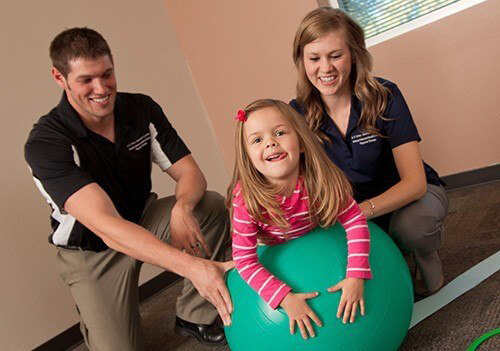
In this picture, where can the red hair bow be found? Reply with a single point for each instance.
(241, 116)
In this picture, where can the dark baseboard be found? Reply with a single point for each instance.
(64, 341)
(72, 336)
(474, 177)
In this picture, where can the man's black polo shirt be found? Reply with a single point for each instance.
(367, 159)
(64, 156)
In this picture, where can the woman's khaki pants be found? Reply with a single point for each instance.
(417, 228)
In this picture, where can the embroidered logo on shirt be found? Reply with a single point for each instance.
(363, 138)
(139, 143)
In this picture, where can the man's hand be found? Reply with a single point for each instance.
(352, 295)
(299, 312)
(185, 232)
(208, 278)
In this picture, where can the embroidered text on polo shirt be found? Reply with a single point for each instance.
(139, 143)
(363, 138)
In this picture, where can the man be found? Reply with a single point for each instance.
(91, 157)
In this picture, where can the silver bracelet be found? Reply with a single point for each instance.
(372, 207)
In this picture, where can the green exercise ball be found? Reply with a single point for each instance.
(315, 262)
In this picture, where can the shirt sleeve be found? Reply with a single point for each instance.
(245, 230)
(166, 145)
(54, 169)
(358, 241)
(400, 128)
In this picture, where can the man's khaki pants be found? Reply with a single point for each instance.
(104, 284)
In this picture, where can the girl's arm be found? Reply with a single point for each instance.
(358, 241)
(411, 187)
(270, 288)
(358, 265)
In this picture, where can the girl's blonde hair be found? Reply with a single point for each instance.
(327, 187)
(372, 94)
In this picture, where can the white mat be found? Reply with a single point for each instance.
(458, 286)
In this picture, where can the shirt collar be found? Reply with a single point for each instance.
(287, 200)
(328, 126)
(71, 118)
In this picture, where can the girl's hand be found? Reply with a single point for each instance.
(299, 312)
(352, 295)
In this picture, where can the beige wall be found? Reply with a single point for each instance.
(241, 50)
(238, 51)
(449, 73)
(34, 304)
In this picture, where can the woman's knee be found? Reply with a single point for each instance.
(417, 231)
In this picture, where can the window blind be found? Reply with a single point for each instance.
(377, 16)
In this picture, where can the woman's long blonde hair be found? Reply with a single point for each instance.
(367, 89)
(327, 187)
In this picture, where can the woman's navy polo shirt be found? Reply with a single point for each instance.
(367, 159)
(64, 156)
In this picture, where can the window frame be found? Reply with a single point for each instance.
(417, 22)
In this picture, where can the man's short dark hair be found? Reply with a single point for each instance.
(77, 43)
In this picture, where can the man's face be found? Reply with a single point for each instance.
(90, 87)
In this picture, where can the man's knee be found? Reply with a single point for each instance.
(110, 320)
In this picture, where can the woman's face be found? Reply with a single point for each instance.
(327, 62)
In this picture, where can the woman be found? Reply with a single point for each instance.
(367, 130)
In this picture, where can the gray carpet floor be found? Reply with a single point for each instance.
(472, 233)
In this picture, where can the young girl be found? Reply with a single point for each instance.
(284, 186)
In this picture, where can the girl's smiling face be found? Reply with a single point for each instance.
(273, 147)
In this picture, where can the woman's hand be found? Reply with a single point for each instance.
(299, 312)
(366, 209)
(352, 296)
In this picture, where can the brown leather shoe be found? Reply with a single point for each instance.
(208, 334)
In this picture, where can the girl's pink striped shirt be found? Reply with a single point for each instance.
(248, 233)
